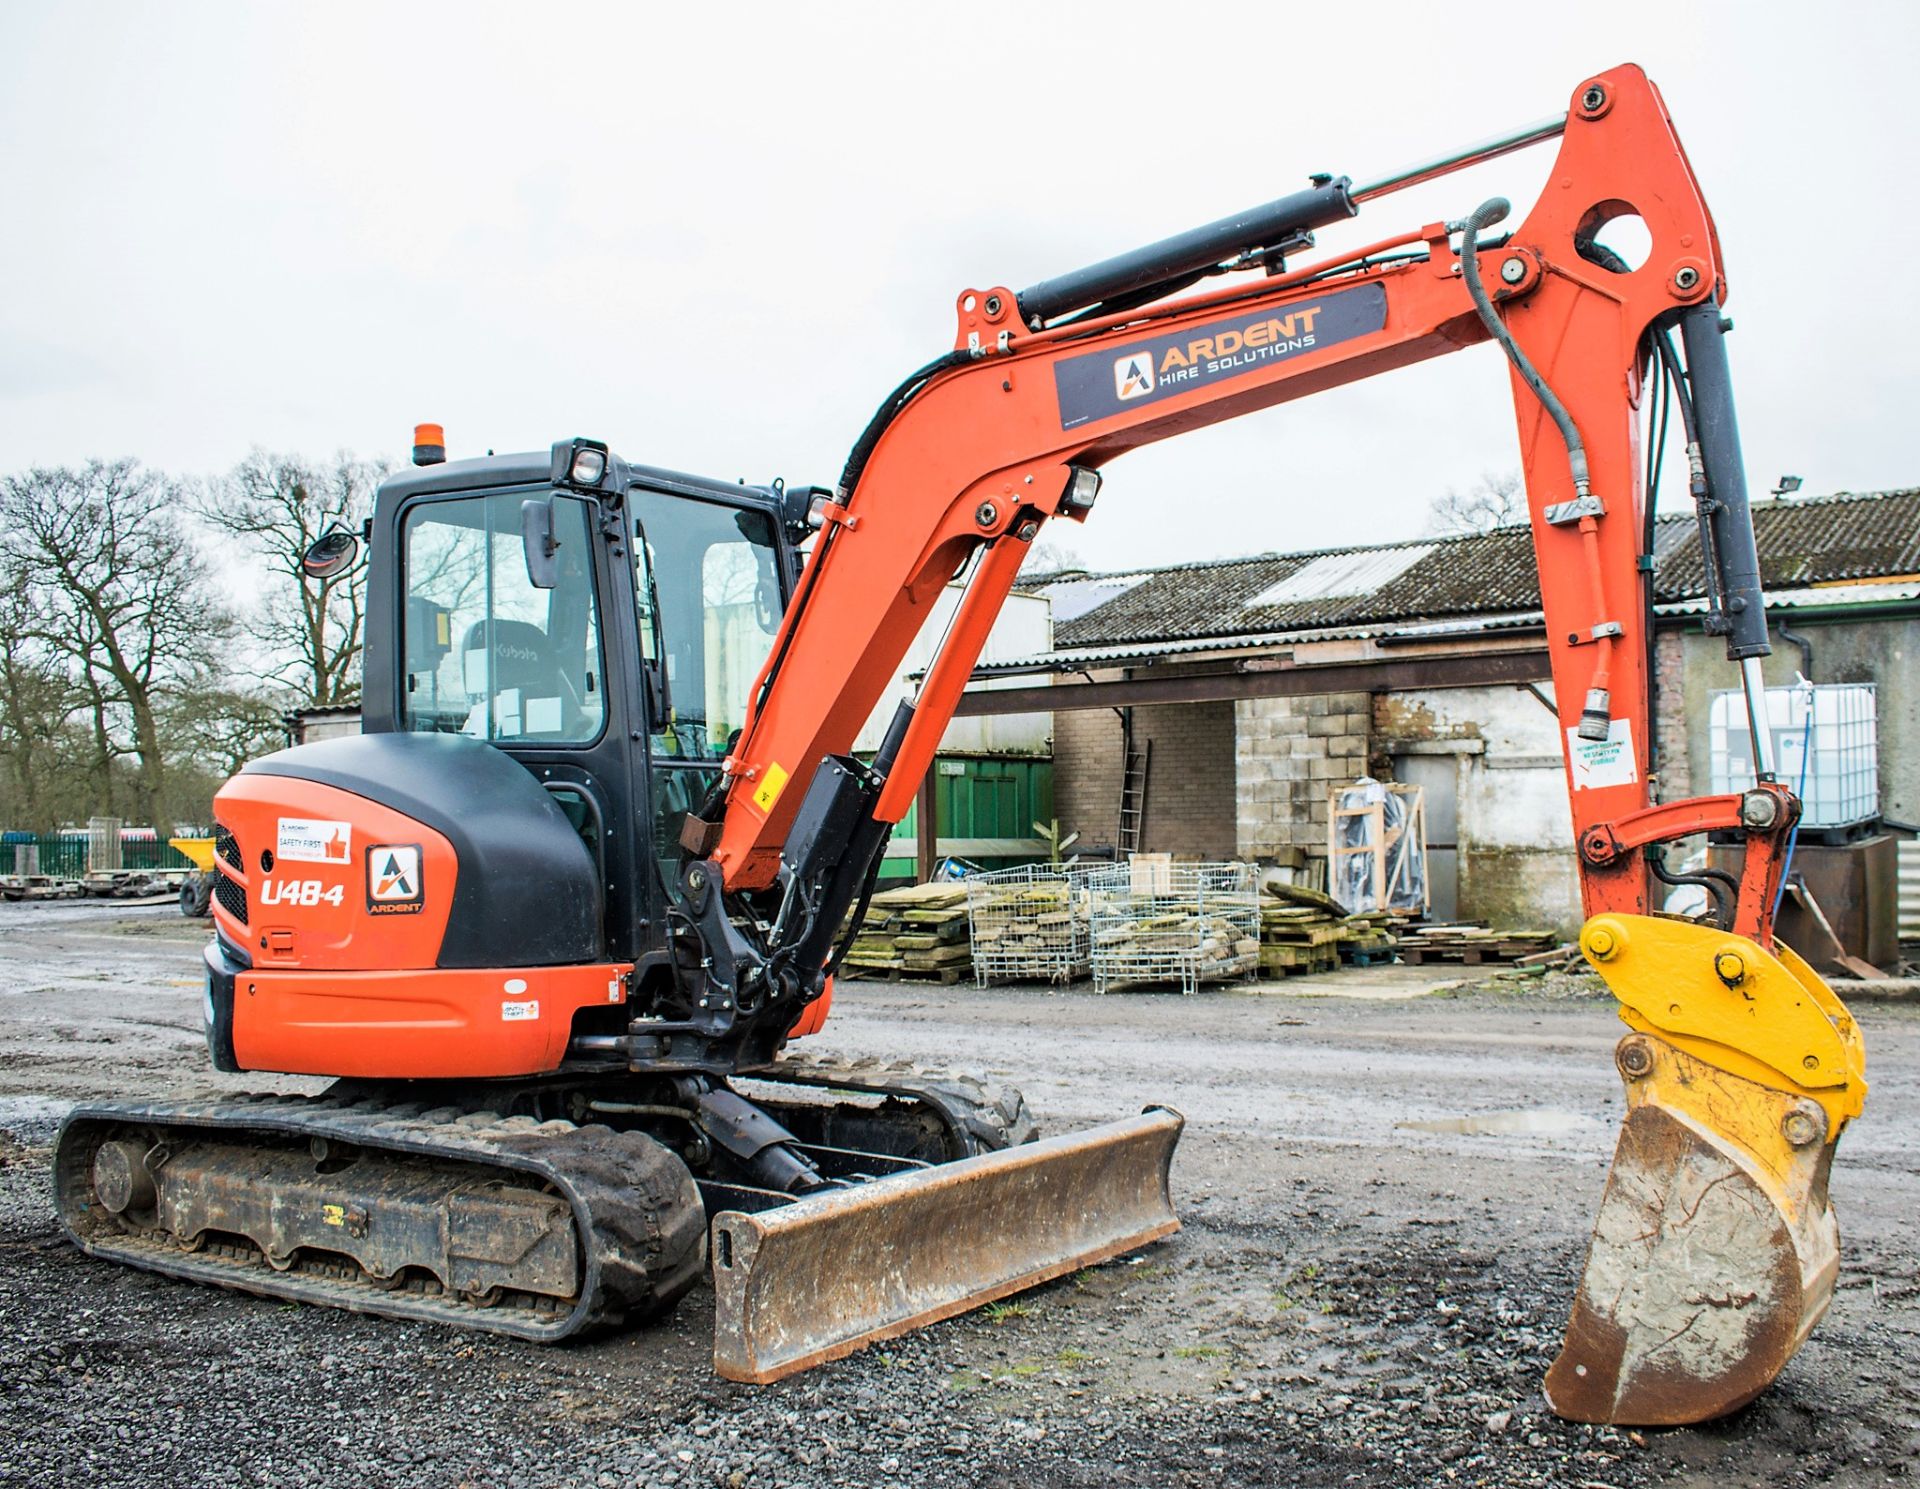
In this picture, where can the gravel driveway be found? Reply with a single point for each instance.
(1352, 1301)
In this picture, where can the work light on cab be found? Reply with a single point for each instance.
(579, 462)
(429, 444)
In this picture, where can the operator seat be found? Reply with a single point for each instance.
(530, 696)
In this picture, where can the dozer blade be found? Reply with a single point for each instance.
(818, 1279)
(1715, 1251)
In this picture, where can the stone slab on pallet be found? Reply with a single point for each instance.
(1472, 945)
(1302, 931)
(916, 931)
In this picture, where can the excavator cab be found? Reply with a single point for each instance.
(596, 621)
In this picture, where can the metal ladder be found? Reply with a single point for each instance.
(1133, 797)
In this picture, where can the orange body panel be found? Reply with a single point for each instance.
(336, 927)
(345, 980)
(414, 1025)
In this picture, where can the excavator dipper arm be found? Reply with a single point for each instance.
(1742, 1068)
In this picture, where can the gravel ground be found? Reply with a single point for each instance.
(1352, 1301)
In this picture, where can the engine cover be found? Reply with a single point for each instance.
(387, 852)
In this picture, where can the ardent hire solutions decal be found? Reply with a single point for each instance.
(1102, 383)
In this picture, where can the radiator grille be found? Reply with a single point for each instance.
(232, 896)
(225, 847)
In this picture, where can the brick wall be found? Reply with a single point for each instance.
(1086, 775)
(1671, 722)
(1190, 785)
(1288, 753)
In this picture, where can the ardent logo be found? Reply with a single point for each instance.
(394, 885)
(1292, 332)
(1133, 375)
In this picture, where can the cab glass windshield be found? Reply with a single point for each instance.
(488, 654)
(708, 587)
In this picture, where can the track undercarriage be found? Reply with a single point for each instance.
(546, 1209)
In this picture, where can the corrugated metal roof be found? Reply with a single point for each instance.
(1803, 542)
(1342, 576)
(1073, 597)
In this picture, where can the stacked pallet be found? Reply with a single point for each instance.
(1303, 931)
(1297, 939)
(915, 932)
(1473, 945)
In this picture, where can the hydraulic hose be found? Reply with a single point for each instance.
(1485, 216)
(1596, 713)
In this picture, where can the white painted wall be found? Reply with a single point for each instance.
(1023, 629)
(1513, 793)
(1515, 825)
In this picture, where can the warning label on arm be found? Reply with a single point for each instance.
(1603, 762)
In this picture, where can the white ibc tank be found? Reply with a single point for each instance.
(1830, 730)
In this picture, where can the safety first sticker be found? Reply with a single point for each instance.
(1603, 762)
(770, 787)
(306, 840)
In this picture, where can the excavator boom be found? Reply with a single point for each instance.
(974, 453)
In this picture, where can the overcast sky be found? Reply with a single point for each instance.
(716, 235)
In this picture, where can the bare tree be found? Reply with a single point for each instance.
(227, 725)
(310, 629)
(1049, 557)
(1497, 499)
(39, 704)
(117, 589)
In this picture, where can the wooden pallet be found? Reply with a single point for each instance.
(1472, 945)
(944, 976)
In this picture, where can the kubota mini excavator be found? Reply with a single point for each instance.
(554, 917)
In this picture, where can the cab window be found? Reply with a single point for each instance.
(488, 654)
(712, 572)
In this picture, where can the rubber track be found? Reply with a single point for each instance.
(981, 1120)
(636, 1211)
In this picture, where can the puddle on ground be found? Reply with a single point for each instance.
(1531, 1120)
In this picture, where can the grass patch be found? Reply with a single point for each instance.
(1301, 1289)
(1074, 1356)
(999, 1313)
(1199, 1351)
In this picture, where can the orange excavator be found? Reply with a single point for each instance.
(553, 920)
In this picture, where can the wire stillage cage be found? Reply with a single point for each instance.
(1030, 924)
(1154, 921)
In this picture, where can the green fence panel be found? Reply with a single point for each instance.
(64, 856)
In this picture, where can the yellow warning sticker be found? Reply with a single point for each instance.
(333, 1215)
(770, 788)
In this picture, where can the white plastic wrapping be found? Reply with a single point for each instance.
(1377, 848)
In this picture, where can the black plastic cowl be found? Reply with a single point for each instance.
(527, 893)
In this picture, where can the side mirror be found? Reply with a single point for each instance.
(330, 554)
(538, 541)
